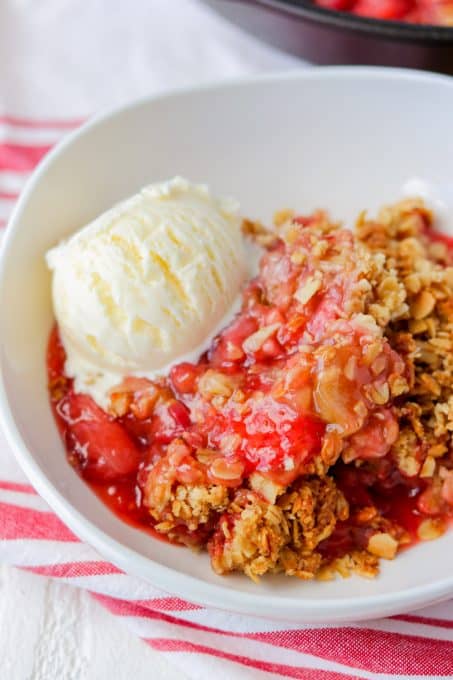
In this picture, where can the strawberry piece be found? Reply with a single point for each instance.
(184, 377)
(227, 348)
(56, 356)
(101, 446)
(169, 421)
(382, 9)
(275, 436)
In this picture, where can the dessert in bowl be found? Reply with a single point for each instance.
(312, 434)
(300, 436)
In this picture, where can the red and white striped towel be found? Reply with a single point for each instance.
(201, 640)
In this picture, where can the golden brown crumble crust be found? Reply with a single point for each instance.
(424, 334)
(255, 536)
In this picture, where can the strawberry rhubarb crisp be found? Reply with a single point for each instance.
(430, 12)
(315, 434)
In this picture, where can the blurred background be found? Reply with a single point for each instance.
(404, 33)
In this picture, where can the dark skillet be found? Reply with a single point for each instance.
(329, 37)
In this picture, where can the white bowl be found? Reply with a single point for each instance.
(341, 138)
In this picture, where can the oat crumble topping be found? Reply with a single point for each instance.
(330, 396)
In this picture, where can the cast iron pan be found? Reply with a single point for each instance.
(328, 37)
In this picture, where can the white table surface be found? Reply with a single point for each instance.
(50, 631)
(51, 67)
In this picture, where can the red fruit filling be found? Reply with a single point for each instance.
(315, 379)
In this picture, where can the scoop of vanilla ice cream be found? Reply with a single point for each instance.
(146, 283)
